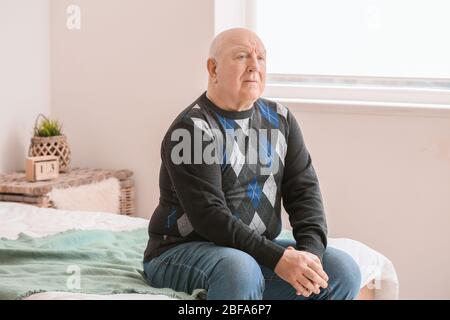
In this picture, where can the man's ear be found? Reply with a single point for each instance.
(211, 66)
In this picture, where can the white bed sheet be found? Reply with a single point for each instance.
(377, 270)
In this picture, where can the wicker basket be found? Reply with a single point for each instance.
(127, 195)
(51, 146)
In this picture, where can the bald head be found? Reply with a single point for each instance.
(237, 69)
(227, 37)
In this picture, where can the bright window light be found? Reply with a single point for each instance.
(356, 38)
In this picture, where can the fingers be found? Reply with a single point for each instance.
(318, 269)
(307, 284)
(299, 288)
(302, 291)
(315, 278)
(304, 287)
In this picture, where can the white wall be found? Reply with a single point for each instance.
(24, 76)
(385, 180)
(119, 81)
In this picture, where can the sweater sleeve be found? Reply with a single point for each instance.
(199, 191)
(301, 194)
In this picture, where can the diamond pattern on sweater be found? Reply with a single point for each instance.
(281, 146)
(184, 225)
(265, 151)
(269, 114)
(171, 218)
(204, 126)
(237, 159)
(227, 124)
(254, 193)
(282, 110)
(270, 189)
(257, 224)
(244, 124)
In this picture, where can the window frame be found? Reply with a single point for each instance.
(423, 94)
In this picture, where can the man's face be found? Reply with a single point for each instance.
(241, 69)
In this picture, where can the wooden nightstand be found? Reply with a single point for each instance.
(15, 188)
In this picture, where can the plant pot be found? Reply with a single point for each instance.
(51, 146)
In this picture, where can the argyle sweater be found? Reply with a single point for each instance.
(212, 188)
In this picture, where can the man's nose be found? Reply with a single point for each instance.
(253, 63)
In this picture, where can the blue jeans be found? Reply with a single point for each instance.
(231, 274)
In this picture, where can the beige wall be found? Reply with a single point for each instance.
(385, 180)
(24, 76)
(119, 81)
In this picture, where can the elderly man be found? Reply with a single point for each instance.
(218, 217)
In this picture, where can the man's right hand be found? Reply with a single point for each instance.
(302, 270)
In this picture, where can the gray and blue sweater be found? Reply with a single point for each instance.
(213, 189)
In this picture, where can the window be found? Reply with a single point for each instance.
(384, 50)
(380, 38)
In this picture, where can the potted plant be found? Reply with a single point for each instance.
(48, 140)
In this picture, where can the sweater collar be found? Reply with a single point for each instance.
(228, 114)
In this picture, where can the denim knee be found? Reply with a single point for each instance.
(345, 273)
(237, 275)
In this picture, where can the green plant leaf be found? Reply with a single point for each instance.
(48, 128)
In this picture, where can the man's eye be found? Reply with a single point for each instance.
(261, 58)
(241, 56)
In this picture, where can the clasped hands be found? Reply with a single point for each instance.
(303, 270)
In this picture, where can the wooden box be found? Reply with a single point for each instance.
(41, 168)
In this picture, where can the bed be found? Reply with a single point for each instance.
(58, 254)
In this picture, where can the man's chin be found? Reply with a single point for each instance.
(253, 94)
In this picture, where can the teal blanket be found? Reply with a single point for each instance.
(94, 261)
